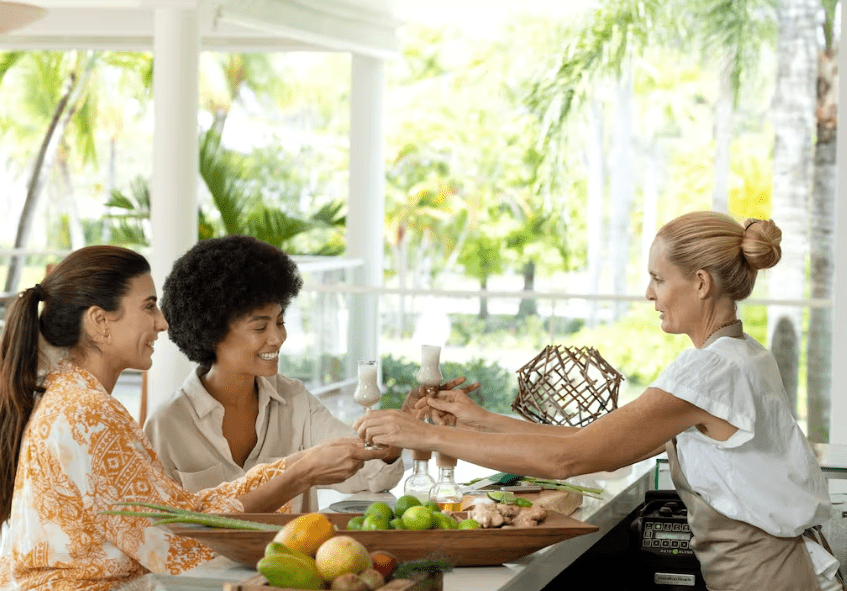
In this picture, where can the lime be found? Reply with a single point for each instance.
(468, 524)
(417, 518)
(396, 523)
(381, 509)
(522, 502)
(356, 522)
(432, 506)
(404, 503)
(374, 522)
(443, 521)
(502, 496)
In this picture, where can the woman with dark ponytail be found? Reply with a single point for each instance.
(69, 451)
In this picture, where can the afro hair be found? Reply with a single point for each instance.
(218, 281)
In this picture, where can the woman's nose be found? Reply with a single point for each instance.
(279, 335)
(161, 323)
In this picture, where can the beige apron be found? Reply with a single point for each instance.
(735, 555)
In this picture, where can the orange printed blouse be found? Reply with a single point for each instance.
(81, 453)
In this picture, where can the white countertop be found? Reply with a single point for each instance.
(624, 490)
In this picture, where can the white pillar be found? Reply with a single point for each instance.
(173, 207)
(838, 405)
(366, 213)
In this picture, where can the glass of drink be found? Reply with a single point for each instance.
(367, 390)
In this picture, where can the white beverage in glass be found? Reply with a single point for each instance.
(430, 372)
(367, 390)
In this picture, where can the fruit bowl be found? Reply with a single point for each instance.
(467, 547)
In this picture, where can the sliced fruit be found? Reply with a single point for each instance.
(509, 498)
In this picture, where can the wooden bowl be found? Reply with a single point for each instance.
(467, 547)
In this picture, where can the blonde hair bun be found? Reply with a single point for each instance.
(760, 245)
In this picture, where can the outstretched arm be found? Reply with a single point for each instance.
(630, 433)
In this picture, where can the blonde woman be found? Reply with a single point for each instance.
(753, 488)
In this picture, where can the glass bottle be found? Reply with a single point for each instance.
(446, 493)
(419, 482)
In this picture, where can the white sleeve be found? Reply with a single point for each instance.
(717, 384)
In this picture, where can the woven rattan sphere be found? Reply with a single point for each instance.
(567, 386)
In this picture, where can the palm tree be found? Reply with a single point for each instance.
(63, 79)
(239, 207)
(62, 96)
(792, 113)
(821, 216)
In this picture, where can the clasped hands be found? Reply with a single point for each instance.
(450, 406)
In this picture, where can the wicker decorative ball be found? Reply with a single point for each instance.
(567, 386)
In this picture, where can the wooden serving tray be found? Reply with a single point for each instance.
(466, 547)
(426, 582)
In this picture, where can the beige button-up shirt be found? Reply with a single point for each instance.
(187, 434)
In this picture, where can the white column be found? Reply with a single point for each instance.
(838, 406)
(173, 207)
(366, 214)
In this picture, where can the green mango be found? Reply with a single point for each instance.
(288, 570)
(280, 548)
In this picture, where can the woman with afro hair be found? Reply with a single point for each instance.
(225, 302)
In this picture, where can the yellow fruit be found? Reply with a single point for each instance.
(291, 571)
(342, 554)
(306, 533)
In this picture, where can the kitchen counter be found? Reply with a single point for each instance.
(624, 491)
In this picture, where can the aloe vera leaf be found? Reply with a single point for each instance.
(198, 518)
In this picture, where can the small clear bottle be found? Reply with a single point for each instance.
(419, 483)
(446, 493)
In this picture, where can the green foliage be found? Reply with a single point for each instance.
(128, 215)
(635, 346)
(498, 387)
(241, 209)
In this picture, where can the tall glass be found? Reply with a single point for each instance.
(367, 390)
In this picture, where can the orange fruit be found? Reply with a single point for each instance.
(306, 533)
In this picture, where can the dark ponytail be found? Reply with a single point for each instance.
(90, 276)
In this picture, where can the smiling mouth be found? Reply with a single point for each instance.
(269, 356)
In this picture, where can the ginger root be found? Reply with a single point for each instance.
(501, 515)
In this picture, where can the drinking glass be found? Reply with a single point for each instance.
(367, 390)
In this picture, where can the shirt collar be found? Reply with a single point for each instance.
(69, 368)
(204, 403)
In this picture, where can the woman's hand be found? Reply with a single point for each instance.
(335, 461)
(411, 406)
(391, 427)
(455, 408)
